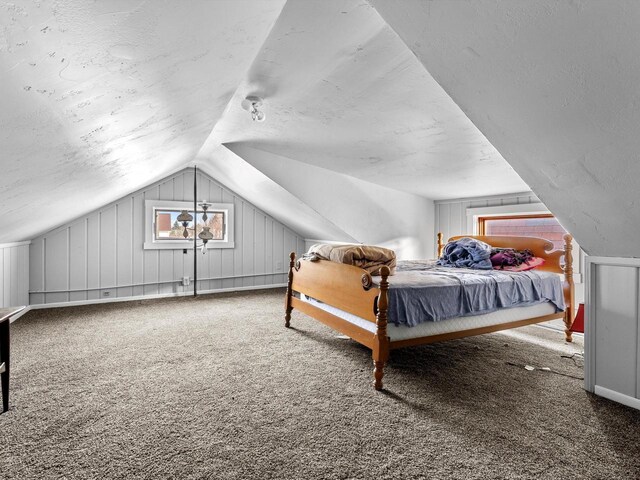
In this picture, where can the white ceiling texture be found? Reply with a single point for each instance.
(100, 98)
(388, 97)
(555, 86)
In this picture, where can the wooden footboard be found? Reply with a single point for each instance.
(350, 289)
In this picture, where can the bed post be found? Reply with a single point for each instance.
(440, 244)
(288, 307)
(568, 287)
(380, 351)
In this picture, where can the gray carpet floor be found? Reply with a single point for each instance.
(217, 388)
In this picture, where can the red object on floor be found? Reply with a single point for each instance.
(578, 323)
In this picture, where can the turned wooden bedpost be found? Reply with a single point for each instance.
(568, 287)
(440, 244)
(380, 351)
(288, 307)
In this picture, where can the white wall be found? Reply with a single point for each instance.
(367, 213)
(275, 200)
(14, 274)
(101, 255)
(612, 342)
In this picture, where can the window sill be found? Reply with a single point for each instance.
(185, 245)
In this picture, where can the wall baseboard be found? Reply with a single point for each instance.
(18, 315)
(76, 303)
(617, 397)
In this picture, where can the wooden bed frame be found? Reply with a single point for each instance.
(353, 290)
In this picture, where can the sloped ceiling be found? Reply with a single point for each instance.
(363, 209)
(100, 98)
(343, 92)
(255, 186)
(554, 87)
(422, 98)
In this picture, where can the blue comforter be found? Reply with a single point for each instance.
(466, 253)
(422, 291)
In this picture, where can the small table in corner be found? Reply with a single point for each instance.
(5, 349)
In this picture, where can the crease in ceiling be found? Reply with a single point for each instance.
(102, 98)
(359, 103)
(357, 207)
(253, 185)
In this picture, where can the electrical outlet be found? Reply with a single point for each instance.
(106, 294)
(186, 281)
(278, 266)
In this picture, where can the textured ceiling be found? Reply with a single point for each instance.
(102, 98)
(342, 91)
(554, 86)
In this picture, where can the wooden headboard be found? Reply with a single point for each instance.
(541, 248)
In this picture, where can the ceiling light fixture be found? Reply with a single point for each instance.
(251, 104)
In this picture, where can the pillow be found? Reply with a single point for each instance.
(523, 267)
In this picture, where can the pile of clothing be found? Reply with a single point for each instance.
(469, 252)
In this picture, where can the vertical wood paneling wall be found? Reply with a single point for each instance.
(612, 335)
(14, 274)
(451, 215)
(101, 255)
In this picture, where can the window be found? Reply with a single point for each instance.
(167, 226)
(505, 216)
(164, 231)
(535, 225)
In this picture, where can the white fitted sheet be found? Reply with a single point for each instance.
(449, 325)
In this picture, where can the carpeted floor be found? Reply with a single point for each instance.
(217, 388)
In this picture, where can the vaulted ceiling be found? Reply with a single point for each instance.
(100, 98)
(343, 92)
(419, 100)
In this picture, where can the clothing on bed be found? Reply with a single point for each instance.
(466, 253)
(510, 257)
(370, 258)
(534, 262)
(423, 291)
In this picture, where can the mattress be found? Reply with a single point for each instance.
(403, 332)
